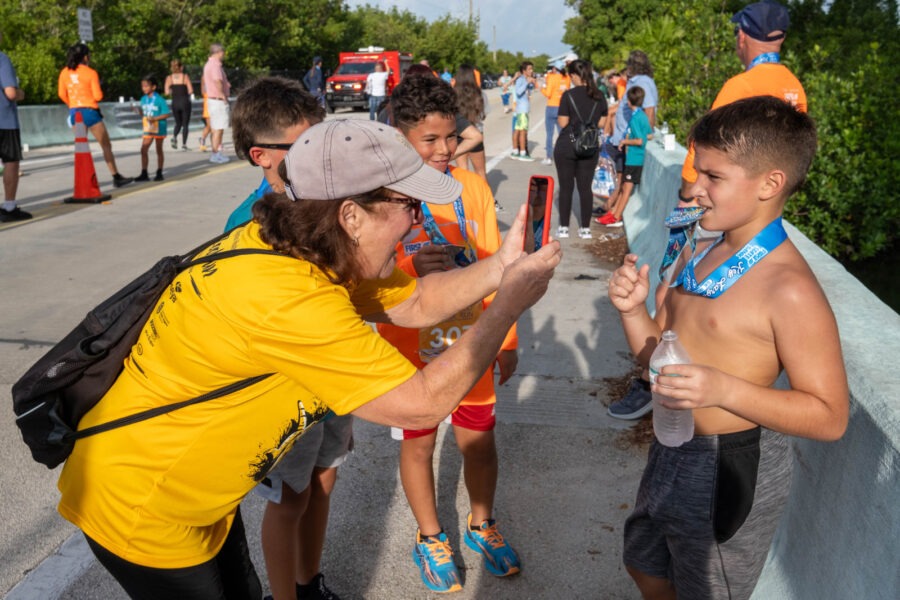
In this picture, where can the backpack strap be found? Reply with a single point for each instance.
(578, 114)
(186, 262)
(161, 410)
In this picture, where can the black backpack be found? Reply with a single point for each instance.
(52, 396)
(585, 135)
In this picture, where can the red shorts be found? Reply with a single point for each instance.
(476, 417)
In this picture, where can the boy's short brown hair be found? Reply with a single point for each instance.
(636, 96)
(268, 106)
(759, 134)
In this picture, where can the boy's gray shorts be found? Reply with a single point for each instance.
(706, 512)
(324, 445)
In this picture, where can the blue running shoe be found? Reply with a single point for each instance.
(499, 557)
(434, 557)
(636, 402)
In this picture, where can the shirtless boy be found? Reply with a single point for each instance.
(745, 306)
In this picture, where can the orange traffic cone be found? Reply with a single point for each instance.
(87, 190)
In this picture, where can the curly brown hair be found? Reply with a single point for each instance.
(311, 230)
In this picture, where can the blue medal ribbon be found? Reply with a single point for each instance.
(681, 228)
(467, 255)
(765, 57)
(726, 274)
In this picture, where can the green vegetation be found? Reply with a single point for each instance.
(848, 58)
(133, 38)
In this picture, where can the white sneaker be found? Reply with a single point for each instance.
(547, 161)
(562, 232)
(514, 154)
(219, 158)
(584, 233)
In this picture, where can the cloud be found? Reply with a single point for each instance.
(527, 26)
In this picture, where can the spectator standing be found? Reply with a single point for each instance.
(473, 106)
(178, 87)
(555, 85)
(635, 140)
(79, 88)
(155, 111)
(218, 88)
(640, 73)
(503, 81)
(10, 139)
(759, 32)
(584, 101)
(523, 83)
(376, 88)
(314, 80)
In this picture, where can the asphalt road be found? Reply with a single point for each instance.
(568, 472)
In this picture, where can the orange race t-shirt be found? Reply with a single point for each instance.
(767, 79)
(482, 231)
(79, 88)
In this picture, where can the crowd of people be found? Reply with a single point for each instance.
(369, 221)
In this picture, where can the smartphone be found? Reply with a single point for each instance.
(540, 204)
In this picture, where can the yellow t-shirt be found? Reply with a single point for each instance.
(163, 492)
(482, 231)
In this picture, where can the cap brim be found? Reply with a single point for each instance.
(428, 185)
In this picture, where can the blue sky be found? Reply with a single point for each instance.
(530, 26)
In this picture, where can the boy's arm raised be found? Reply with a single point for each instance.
(808, 346)
(628, 291)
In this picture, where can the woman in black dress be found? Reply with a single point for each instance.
(178, 86)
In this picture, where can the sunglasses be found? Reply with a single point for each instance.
(273, 146)
(411, 203)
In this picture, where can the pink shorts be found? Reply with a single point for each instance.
(476, 417)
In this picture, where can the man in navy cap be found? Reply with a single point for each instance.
(759, 32)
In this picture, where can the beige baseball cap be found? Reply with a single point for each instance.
(340, 158)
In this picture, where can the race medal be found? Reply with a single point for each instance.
(726, 274)
(436, 339)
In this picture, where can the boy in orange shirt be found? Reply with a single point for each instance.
(450, 236)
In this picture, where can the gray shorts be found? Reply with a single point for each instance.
(706, 512)
(324, 445)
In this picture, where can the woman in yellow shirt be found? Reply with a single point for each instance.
(158, 500)
(79, 88)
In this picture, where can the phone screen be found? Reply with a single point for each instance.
(540, 200)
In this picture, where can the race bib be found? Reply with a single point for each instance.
(151, 126)
(436, 339)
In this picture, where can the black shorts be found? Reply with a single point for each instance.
(632, 174)
(10, 145)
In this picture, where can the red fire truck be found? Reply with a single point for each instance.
(347, 86)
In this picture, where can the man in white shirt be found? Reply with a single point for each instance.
(376, 88)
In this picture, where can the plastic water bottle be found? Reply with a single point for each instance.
(672, 427)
